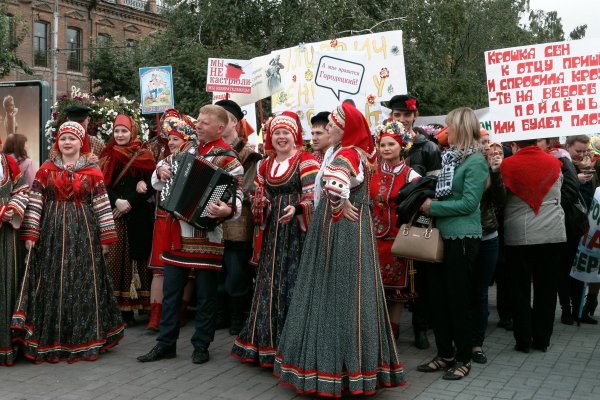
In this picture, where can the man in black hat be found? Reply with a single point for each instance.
(81, 113)
(235, 281)
(424, 156)
(321, 141)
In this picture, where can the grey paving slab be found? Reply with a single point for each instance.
(570, 369)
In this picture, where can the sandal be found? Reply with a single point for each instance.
(459, 372)
(437, 364)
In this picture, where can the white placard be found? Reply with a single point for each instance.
(544, 90)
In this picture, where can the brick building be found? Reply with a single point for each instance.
(81, 23)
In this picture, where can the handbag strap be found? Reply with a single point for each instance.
(122, 174)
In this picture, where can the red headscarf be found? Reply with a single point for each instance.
(287, 120)
(356, 130)
(115, 157)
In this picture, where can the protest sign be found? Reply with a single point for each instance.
(229, 76)
(586, 265)
(544, 90)
(380, 54)
(156, 89)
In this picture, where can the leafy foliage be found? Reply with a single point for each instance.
(12, 32)
(444, 42)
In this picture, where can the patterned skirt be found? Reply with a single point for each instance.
(11, 274)
(130, 278)
(337, 337)
(66, 310)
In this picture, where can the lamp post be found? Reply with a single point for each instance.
(55, 53)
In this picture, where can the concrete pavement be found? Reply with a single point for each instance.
(569, 370)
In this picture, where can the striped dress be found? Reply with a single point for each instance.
(13, 196)
(66, 309)
(337, 337)
(279, 254)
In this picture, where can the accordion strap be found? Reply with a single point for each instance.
(221, 153)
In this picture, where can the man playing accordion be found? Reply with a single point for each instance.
(195, 248)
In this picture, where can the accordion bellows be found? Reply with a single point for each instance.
(194, 184)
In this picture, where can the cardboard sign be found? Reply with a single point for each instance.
(304, 79)
(156, 89)
(229, 76)
(544, 90)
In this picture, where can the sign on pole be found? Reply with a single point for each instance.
(544, 90)
(156, 89)
(229, 76)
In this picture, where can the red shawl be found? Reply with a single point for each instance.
(530, 174)
(114, 158)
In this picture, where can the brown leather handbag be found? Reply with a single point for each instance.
(416, 243)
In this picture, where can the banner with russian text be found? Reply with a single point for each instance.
(544, 90)
(586, 265)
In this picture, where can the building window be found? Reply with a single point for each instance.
(130, 43)
(74, 49)
(40, 44)
(103, 40)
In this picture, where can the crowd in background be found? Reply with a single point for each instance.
(299, 264)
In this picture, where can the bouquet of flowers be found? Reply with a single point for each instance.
(104, 112)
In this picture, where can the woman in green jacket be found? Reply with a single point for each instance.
(456, 210)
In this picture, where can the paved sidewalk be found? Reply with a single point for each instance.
(569, 370)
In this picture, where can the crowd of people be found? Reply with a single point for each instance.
(298, 264)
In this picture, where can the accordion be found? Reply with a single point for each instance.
(194, 184)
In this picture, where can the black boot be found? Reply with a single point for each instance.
(567, 317)
(421, 340)
(239, 305)
(591, 302)
(158, 352)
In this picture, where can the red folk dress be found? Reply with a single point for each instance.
(397, 274)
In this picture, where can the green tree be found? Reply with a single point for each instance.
(444, 41)
(12, 32)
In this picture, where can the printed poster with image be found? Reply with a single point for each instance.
(156, 89)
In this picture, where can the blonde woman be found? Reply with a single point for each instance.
(456, 209)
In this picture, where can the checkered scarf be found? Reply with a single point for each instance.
(451, 159)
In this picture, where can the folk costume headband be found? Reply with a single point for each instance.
(287, 120)
(76, 129)
(356, 130)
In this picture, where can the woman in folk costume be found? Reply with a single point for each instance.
(178, 129)
(13, 201)
(125, 165)
(391, 174)
(337, 337)
(66, 309)
(283, 205)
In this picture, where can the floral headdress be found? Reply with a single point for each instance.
(396, 131)
(177, 124)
